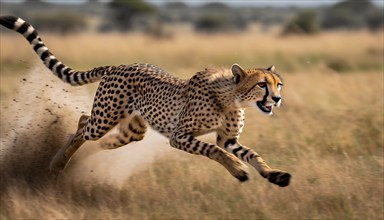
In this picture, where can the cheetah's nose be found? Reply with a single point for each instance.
(276, 98)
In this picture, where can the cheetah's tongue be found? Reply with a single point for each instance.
(264, 108)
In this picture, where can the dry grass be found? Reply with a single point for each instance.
(187, 51)
(328, 132)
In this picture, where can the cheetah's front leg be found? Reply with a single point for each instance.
(188, 143)
(278, 177)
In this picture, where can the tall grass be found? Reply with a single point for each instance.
(328, 132)
(343, 51)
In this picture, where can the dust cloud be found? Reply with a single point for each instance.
(37, 120)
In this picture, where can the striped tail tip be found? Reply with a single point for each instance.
(58, 68)
(8, 21)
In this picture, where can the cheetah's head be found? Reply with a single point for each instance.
(257, 88)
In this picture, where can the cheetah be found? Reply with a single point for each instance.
(138, 95)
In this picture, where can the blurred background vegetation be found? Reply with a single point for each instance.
(170, 20)
(209, 17)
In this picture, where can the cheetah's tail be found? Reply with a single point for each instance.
(58, 68)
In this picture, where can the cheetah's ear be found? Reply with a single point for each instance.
(237, 72)
(271, 68)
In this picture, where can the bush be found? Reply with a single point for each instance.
(342, 19)
(305, 22)
(349, 14)
(375, 21)
(124, 11)
(211, 23)
(62, 23)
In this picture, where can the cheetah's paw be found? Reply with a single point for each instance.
(279, 177)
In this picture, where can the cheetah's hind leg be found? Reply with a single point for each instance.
(62, 157)
(131, 129)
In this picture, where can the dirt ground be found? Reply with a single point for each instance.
(38, 121)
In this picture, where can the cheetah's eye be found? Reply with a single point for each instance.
(262, 84)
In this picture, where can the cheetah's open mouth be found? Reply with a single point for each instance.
(267, 109)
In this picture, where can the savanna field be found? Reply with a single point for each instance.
(328, 132)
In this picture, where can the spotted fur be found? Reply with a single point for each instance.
(137, 95)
